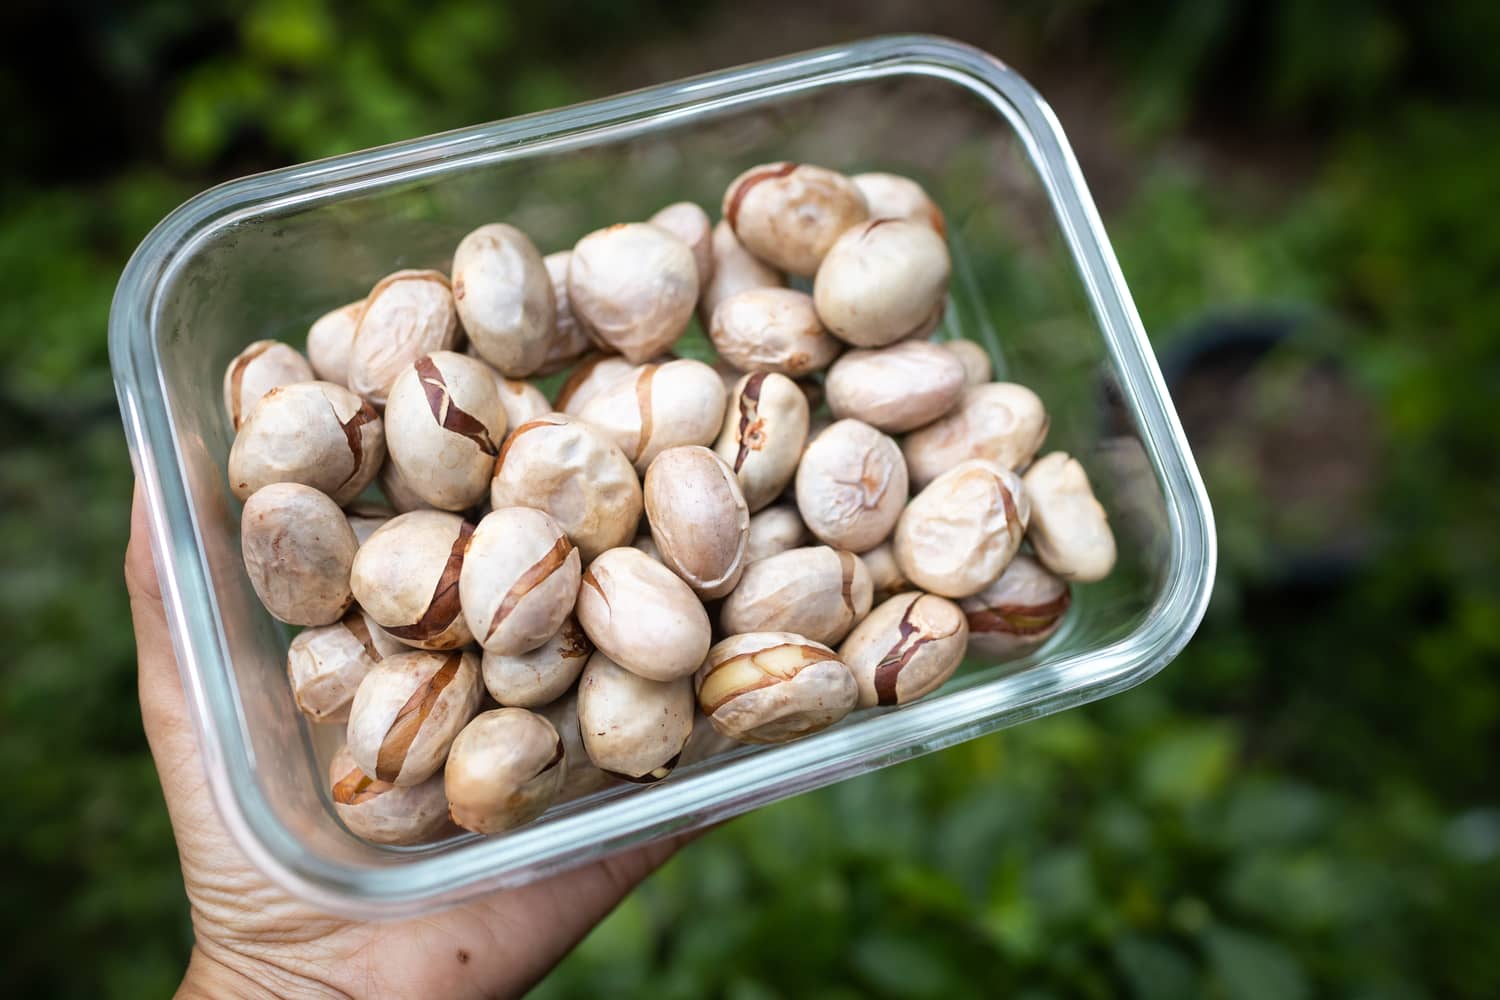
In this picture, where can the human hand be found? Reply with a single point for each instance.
(254, 940)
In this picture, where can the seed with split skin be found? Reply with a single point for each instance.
(851, 486)
(1069, 528)
(406, 578)
(1018, 612)
(816, 592)
(698, 517)
(773, 687)
(539, 676)
(504, 769)
(883, 281)
(885, 576)
(408, 710)
(772, 330)
(365, 518)
(896, 388)
(633, 728)
(905, 649)
(634, 285)
(891, 196)
(1001, 422)
(326, 664)
(735, 270)
(774, 530)
(401, 496)
(958, 534)
(569, 340)
(764, 432)
(574, 473)
(255, 371)
(314, 433)
(406, 315)
(975, 359)
(504, 299)
(593, 374)
(690, 224)
(298, 550)
(659, 407)
(789, 214)
(330, 340)
(383, 813)
(642, 616)
(443, 427)
(582, 777)
(519, 580)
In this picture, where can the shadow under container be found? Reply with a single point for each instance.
(1035, 282)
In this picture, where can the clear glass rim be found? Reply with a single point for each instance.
(420, 883)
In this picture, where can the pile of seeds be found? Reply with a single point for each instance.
(671, 557)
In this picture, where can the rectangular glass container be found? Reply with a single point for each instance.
(1035, 282)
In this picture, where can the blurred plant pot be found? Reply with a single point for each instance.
(1288, 443)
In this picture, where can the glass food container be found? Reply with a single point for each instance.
(1034, 281)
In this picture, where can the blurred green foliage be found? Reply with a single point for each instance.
(1302, 805)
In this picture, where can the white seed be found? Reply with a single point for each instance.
(633, 728)
(504, 769)
(659, 407)
(642, 616)
(330, 340)
(958, 534)
(298, 550)
(583, 777)
(891, 196)
(443, 425)
(817, 592)
(325, 664)
(896, 388)
(699, 521)
(735, 270)
(593, 374)
(408, 710)
(1069, 528)
(383, 813)
(634, 285)
(851, 486)
(574, 473)
(255, 371)
(883, 281)
(773, 687)
(315, 433)
(975, 359)
(905, 649)
(1018, 612)
(789, 214)
(569, 340)
(690, 224)
(764, 432)
(406, 315)
(504, 298)
(1001, 422)
(406, 578)
(774, 530)
(540, 676)
(519, 579)
(772, 330)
